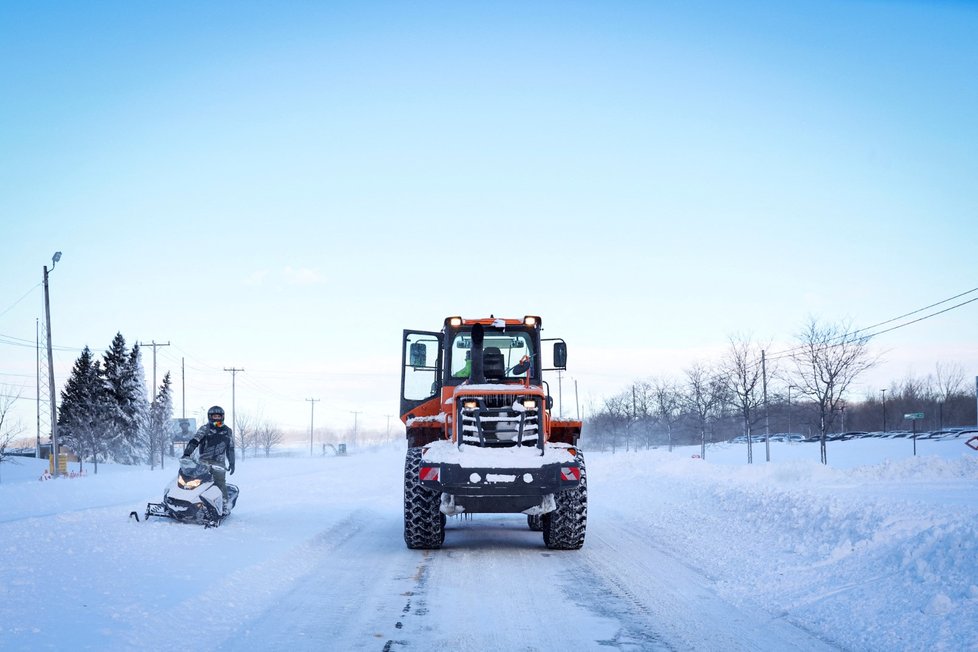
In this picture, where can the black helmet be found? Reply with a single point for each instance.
(215, 415)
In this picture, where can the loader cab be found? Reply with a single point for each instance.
(510, 351)
(506, 356)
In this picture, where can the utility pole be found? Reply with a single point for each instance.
(577, 404)
(183, 388)
(355, 414)
(767, 420)
(388, 427)
(312, 417)
(54, 405)
(154, 345)
(37, 335)
(560, 393)
(234, 423)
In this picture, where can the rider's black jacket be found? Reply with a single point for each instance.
(214, 442)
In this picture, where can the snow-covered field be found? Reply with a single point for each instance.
(878, 551)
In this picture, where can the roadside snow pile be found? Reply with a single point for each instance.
(878, 557)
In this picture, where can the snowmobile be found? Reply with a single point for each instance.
(193, 497)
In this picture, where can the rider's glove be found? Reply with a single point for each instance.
(231, 470)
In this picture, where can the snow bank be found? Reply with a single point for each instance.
(875, 557)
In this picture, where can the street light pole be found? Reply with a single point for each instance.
(54, 405)
(883, 392)
(234, 424)
(312, 421)
(355, 415)
(789, 407)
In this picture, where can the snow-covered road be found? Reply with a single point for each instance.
(680, 555)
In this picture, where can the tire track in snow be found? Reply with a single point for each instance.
(222, 616)
(416, 600)
(628, 568)
(345, 599)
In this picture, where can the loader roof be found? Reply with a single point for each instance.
(529, 320)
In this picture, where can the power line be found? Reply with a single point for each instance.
(11, 307)
(914, 312)
(940, 312)
(789, 352)
(19, 341)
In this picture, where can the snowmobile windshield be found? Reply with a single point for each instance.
(195, 471)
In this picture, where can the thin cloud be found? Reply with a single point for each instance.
(303, 276)
(257, 278)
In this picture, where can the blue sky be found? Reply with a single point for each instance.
(284, 187)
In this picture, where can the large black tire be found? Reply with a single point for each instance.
(424, 524)
(535, 523)
(564, 528)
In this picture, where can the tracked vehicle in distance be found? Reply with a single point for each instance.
(480, 433)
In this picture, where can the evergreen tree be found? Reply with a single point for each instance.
(124, 408)
(138, 408)
(158, 430)
(79, 418)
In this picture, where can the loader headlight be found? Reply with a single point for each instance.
(187, 484)
(530, 403)
(470, 405)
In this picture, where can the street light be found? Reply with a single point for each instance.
(883, 392)
(54, 407)
(790, 387)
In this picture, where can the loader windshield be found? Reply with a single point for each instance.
(514, 346)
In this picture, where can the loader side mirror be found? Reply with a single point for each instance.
(419, 354)
(560, 355)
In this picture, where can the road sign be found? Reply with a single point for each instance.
(913, 415)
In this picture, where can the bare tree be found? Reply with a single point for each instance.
(950, 379)
(244, 437)
(666, 404)
(742, 372)
(614, 418)
(643, 412)
(8, 431)
(949, 383)
(705, 394)
(267, 436)
(827, 360)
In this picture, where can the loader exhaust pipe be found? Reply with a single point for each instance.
(478, 375)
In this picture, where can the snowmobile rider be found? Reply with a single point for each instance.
(216, 441)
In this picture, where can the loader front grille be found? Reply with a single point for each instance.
(499, 420)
